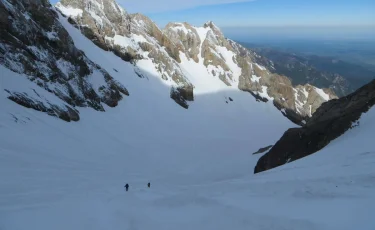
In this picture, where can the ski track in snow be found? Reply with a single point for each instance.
(58, 175)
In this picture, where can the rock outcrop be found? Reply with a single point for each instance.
(185, 37)
(297, 103)
(263, 150)
(181, 95)
(330, 121)
(34, 43)
(65, 113)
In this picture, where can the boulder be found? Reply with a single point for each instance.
(182, 94)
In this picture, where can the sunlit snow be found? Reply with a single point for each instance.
(322, 93)
(69, 11)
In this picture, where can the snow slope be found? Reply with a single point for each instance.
(47, 164)
(58, 175)
(72, 176)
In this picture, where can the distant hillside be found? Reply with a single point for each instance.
(342, 77)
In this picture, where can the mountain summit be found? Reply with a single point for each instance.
(183, 55)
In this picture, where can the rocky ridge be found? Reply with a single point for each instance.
(134, 37)
(33, 43)
(330, 121)
(130, 36)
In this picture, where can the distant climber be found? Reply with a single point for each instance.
(149, 184)
(126, 187)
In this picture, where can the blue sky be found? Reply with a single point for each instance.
(333, 18)
(260, 12)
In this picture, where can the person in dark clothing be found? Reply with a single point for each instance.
(149, 184)
(126, 187)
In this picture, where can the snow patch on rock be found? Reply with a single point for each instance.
(69, 11)
(322, 94)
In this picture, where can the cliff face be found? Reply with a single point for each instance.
(132, 37)
(34, 43)
(330, 121)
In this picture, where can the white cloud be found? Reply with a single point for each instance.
(152, 6)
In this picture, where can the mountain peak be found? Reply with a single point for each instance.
(215, 29)
(211, 25)
(180, 46)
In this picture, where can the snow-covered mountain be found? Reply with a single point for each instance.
(184, 56)
(190, 60)
(60, 175)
